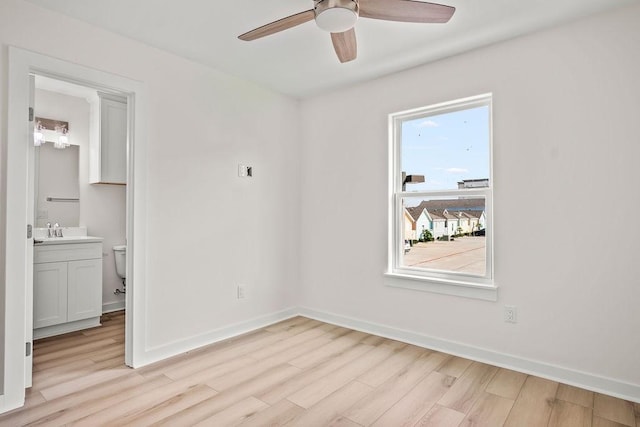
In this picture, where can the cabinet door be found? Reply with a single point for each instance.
(84, 289)
(49, 294)
(113, 141)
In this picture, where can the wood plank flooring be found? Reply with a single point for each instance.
(299, 372)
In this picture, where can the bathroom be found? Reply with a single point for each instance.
(64, 195)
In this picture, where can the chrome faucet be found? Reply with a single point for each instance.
(50, 232)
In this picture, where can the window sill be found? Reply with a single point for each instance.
(443, 286)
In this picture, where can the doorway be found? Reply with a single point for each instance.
(77, 208)
(19, 224)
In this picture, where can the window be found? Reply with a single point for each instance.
(441, 195)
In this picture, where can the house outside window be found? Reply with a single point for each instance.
(441, 182)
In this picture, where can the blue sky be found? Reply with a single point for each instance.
(446, 148)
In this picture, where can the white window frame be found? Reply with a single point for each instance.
(439, 281)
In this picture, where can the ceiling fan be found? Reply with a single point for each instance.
(338, 17)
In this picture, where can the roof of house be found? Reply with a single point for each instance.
(448, 209)
(408, 215)
(415, 212)
(470, 213)
(473, 180)
(465, 204)
(436, 215)
(441, 214)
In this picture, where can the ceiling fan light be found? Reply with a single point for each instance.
(336, 19)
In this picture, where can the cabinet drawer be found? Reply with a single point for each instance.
(70, 252)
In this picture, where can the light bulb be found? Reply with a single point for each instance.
(38, 138)
(63, 138)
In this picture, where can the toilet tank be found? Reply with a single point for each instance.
(120, 255)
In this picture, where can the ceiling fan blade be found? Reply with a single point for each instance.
(406, 11)
(345, 45)
(279, 25)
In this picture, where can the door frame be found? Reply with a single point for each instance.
(22, 63)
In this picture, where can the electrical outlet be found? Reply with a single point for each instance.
(510, 314)
(242, 291)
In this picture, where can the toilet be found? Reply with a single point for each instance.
(120, 253)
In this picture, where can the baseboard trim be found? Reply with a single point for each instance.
(155, 354)
(109, 307)
(65, 328)
(608, 386)
(552, 372)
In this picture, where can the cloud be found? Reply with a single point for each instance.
(456, 170)
(428, 124)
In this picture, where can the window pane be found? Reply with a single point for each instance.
(445, 234)
(450, 150)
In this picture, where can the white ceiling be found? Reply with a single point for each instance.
(301, 61)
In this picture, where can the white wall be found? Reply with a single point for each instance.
(566, 142)
(207, 229)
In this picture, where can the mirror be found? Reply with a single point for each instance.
(61, 109)
(57, 188)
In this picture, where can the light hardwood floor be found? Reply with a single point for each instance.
(299, 372)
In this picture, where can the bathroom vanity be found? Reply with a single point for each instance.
(67, 284)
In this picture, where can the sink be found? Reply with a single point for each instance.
(71, 235)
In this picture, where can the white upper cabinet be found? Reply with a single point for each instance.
(108, 152)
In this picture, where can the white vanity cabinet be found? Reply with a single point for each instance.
(108, 142)
(84, 289)
(67, 287)
(49, 294)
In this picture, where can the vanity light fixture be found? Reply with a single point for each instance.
(48, 130)
(63, 137)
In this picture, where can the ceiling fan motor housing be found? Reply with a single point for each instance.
(336, 16)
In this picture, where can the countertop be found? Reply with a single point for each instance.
(66, 240)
